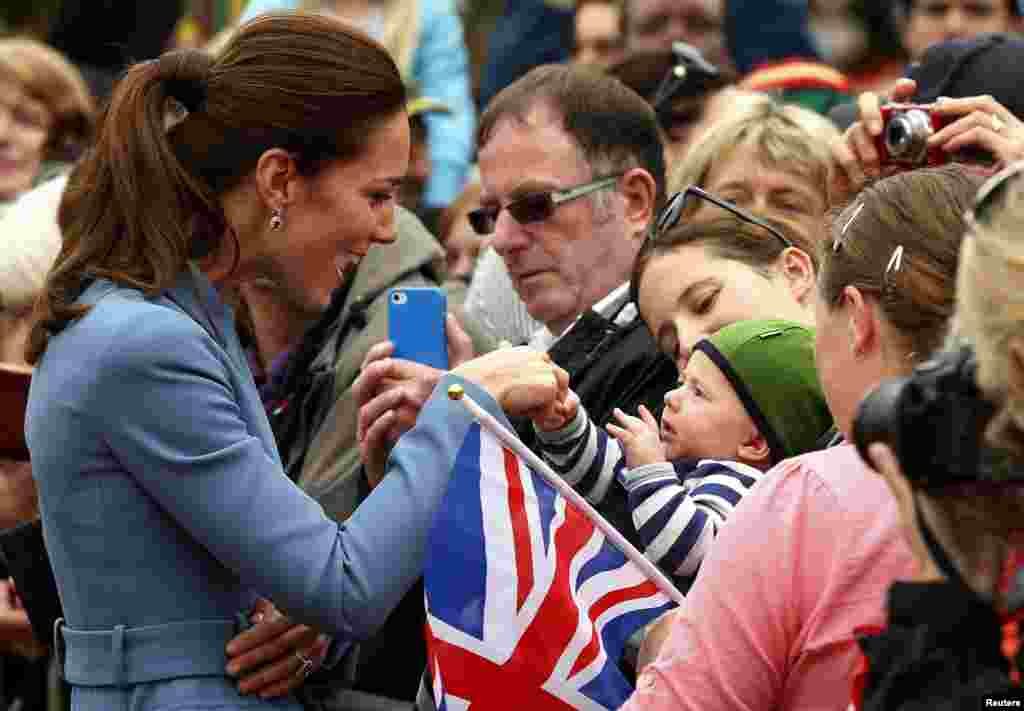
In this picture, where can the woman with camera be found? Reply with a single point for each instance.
(808, 554)
(951, 633)
(163, 500)
(970, 91)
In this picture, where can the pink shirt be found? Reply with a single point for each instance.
(805, 559)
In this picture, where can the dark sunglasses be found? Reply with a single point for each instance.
(535, 207)
(991, 191)
(685, 200)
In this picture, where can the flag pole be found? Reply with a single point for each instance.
(509, 439)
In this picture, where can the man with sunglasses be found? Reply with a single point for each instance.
(573, 173)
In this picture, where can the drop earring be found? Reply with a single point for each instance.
(277, 219)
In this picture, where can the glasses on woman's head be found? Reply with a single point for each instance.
(689, 200)
(535, 207)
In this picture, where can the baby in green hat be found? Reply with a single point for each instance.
(749, 398)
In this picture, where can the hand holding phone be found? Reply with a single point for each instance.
(416, 325)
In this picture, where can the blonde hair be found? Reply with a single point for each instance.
(400, 37)
(786, 136)
(48, 78)
(990, 307)
(401, 29)
(979, 527)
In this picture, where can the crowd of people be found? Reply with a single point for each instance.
(680, 240)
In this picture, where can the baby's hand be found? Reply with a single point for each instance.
(560, 414)
(639, 438)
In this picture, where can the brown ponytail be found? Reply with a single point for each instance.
(182, 130)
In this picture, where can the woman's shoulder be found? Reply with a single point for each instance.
(124, 331)
(127, 317)
(832, 466)
(837, 477)
(126, 348)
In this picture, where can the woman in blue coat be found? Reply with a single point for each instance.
(164, 506)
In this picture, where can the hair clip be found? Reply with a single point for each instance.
(837, 240)
(895, 262)
(175, 112)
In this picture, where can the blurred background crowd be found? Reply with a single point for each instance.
(456, 56)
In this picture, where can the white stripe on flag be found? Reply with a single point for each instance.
(582, 635)
(500, 585)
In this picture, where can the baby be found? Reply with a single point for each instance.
(749, 398)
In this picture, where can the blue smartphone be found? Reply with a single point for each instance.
(416, 325)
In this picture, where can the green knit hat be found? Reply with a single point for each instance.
(770, 365)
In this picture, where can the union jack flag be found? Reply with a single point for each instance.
(528, 605)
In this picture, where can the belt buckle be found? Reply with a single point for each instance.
(58, 645)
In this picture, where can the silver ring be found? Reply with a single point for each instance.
(307, 665)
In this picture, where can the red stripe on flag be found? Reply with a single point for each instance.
(490, 687)
(520, 529)
(589, 653)
(555, 623)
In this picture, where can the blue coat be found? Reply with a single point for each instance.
(166, 511)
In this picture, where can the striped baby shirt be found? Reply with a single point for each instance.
(676, 507)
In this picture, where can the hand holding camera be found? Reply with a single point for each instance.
(906, 137)
(898, 135)
(979, 123)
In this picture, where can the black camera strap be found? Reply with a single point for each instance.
(938, 553)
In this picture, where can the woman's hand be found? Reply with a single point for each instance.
(854, 153)
(523, 381)
(980, 122)
(560, 415)
(974, 122)
(270, 658)
(639, 438)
